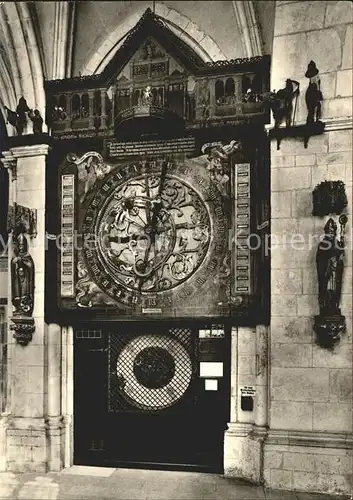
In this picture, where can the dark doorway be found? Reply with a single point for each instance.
(141, 401)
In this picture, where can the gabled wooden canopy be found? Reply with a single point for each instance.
(151, 25)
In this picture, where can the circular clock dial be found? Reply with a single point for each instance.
(154, 371)
(153, 233)
(157, 237)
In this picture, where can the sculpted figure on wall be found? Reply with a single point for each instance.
(18, 118)
(22, 274)
(281, 103)
(313, 95)
(37, 121)
(329, 262)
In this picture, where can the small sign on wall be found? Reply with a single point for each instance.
(248, 390)
(247, 397)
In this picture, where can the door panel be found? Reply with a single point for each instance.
(140, 400)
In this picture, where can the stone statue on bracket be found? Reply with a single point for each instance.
(18, 118)
(329, 263)
(22, 276)
(37, 121)
(22, 221)
(330, 324)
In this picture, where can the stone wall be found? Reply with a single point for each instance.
(310, 416)
(24, 425)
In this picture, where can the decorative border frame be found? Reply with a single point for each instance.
(242, 229)
(67, 231)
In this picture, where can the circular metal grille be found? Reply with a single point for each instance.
(154, 371)
(154, 367)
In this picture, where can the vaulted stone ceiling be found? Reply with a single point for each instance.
(49, 40)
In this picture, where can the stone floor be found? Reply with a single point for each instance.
(125, 484)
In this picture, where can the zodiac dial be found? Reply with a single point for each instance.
(152, 231)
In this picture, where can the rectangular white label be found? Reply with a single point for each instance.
(151, 310)
(211, 384)
(211, 369)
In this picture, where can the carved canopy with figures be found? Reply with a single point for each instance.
(155, 75)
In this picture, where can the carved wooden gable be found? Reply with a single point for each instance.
(155, 74)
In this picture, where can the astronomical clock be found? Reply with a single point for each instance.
(157, 237)
(160, 188)
(151, 237)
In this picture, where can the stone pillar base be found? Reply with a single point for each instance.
(68, 441)
(243, 452)
(56, 443)
(309, 461)
(4, 422)
(26, 445)
(32, 444)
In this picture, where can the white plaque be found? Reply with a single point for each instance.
(248, 390)
(211, 369)
(211, 384)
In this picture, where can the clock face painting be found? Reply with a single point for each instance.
(153, 231)
(155, 238)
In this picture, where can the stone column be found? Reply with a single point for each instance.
(103, 110)
(55, 425)
(68, 111)
(261, 407)
(242, 454)
(11, 165)
(67, 392)
(234, 376)
(246, 369)
(90, 109)
(26, 428)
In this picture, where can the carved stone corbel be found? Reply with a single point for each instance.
(24, 217)
(24, 328)
(329, 330)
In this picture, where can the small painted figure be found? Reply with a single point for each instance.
(22, 277)
(281, 103)
(329, 264)
(218, 162)
(18, 118)
(147, 96)
(37, 121)
(313, 95)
